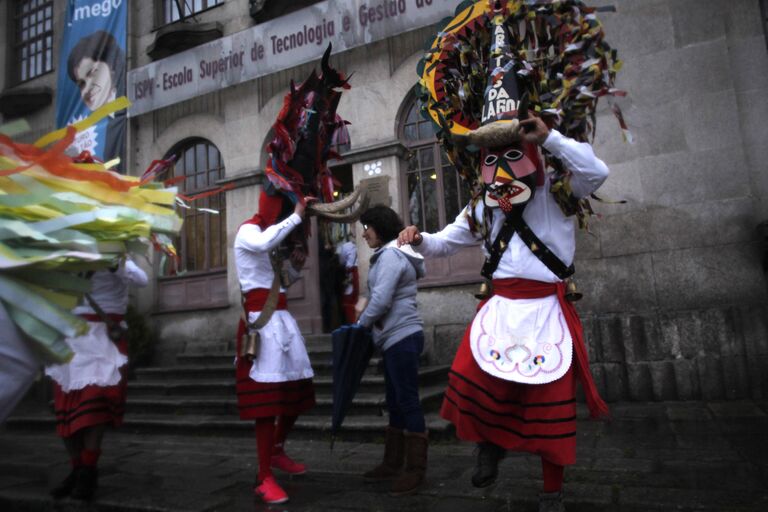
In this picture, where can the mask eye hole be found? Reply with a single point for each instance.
(513, 155)
(490, 159)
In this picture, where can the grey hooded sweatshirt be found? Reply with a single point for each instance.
(391, 310)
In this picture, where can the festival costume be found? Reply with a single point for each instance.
(493, 66)
(91, 389)
(275, 385)
(539, 418)
(278, 379)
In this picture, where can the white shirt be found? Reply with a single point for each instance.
(110, 289)
(348, 254)
(252, 248)
(542, 214)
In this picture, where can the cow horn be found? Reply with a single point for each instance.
(333, 211)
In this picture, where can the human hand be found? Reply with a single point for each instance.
(410, 235)
(534, 130)
(300, 209)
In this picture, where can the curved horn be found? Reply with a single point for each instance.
(346, 217)
(332, 211)
(341, 204)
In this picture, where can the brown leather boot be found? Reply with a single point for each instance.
(415, 464)
(394, 455)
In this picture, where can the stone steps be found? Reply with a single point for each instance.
(197, 396)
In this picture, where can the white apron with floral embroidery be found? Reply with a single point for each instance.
(522, 340)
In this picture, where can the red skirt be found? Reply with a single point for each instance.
(534, 418)
(530, 418)
(267, 399)
(91, 405)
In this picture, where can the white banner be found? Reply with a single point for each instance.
(284, 42)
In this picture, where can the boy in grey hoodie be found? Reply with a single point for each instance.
(398, 333)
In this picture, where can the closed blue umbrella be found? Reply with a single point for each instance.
(352, 350)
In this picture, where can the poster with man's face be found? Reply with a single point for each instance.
(92, 68)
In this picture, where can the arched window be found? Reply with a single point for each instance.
(200, 280)
(203, 244)
(435, 193)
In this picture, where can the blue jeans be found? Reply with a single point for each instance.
(401, 375)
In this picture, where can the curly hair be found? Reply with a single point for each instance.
(100, 47)
(385, 222)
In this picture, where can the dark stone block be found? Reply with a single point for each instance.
(754, 324)
(598, 374)
(592, 338)
(663, 380)
(710, 377)
(635, 338)
(736, 377)
(639, 380)
(611, 340)
(615, 377)
(656, 349)
(447, 338)
(686, 379)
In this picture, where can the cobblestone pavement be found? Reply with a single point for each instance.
(651, 457)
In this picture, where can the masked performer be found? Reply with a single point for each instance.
(274, 379)
(90, 390)
(512, 384)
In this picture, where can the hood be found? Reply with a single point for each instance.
(416, 259)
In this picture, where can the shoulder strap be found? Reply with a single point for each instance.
(271, 303)
(541, 251)
(514, 223)
(104, 317)
(500, 244)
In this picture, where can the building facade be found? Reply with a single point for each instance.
(674, 279)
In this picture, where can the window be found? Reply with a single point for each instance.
(175, 10)
(201, 279)
(432, 195)
(436, 193)
(203, 244)
(33, 41)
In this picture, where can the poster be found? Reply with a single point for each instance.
(92, 72)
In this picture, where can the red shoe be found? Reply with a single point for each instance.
(270, 492)
(284, 463)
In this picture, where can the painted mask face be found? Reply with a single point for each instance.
(509, 177)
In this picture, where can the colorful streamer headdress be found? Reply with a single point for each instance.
(553, 52)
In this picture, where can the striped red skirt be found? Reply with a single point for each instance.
(538, 419)
(267, 399)
(91, 405)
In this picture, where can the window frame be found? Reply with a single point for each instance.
(207, 276)
(463, 267)
(17, 63)
(166, 6)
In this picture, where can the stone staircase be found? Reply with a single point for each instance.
(197, 396)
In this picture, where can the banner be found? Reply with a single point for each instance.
(281, 43)
(92, 68)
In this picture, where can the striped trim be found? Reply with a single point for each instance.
(509, 414)
(509, 402)
(508, 429)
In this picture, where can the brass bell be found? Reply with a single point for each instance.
(571, 293)
(534, 247)
(484, 292)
